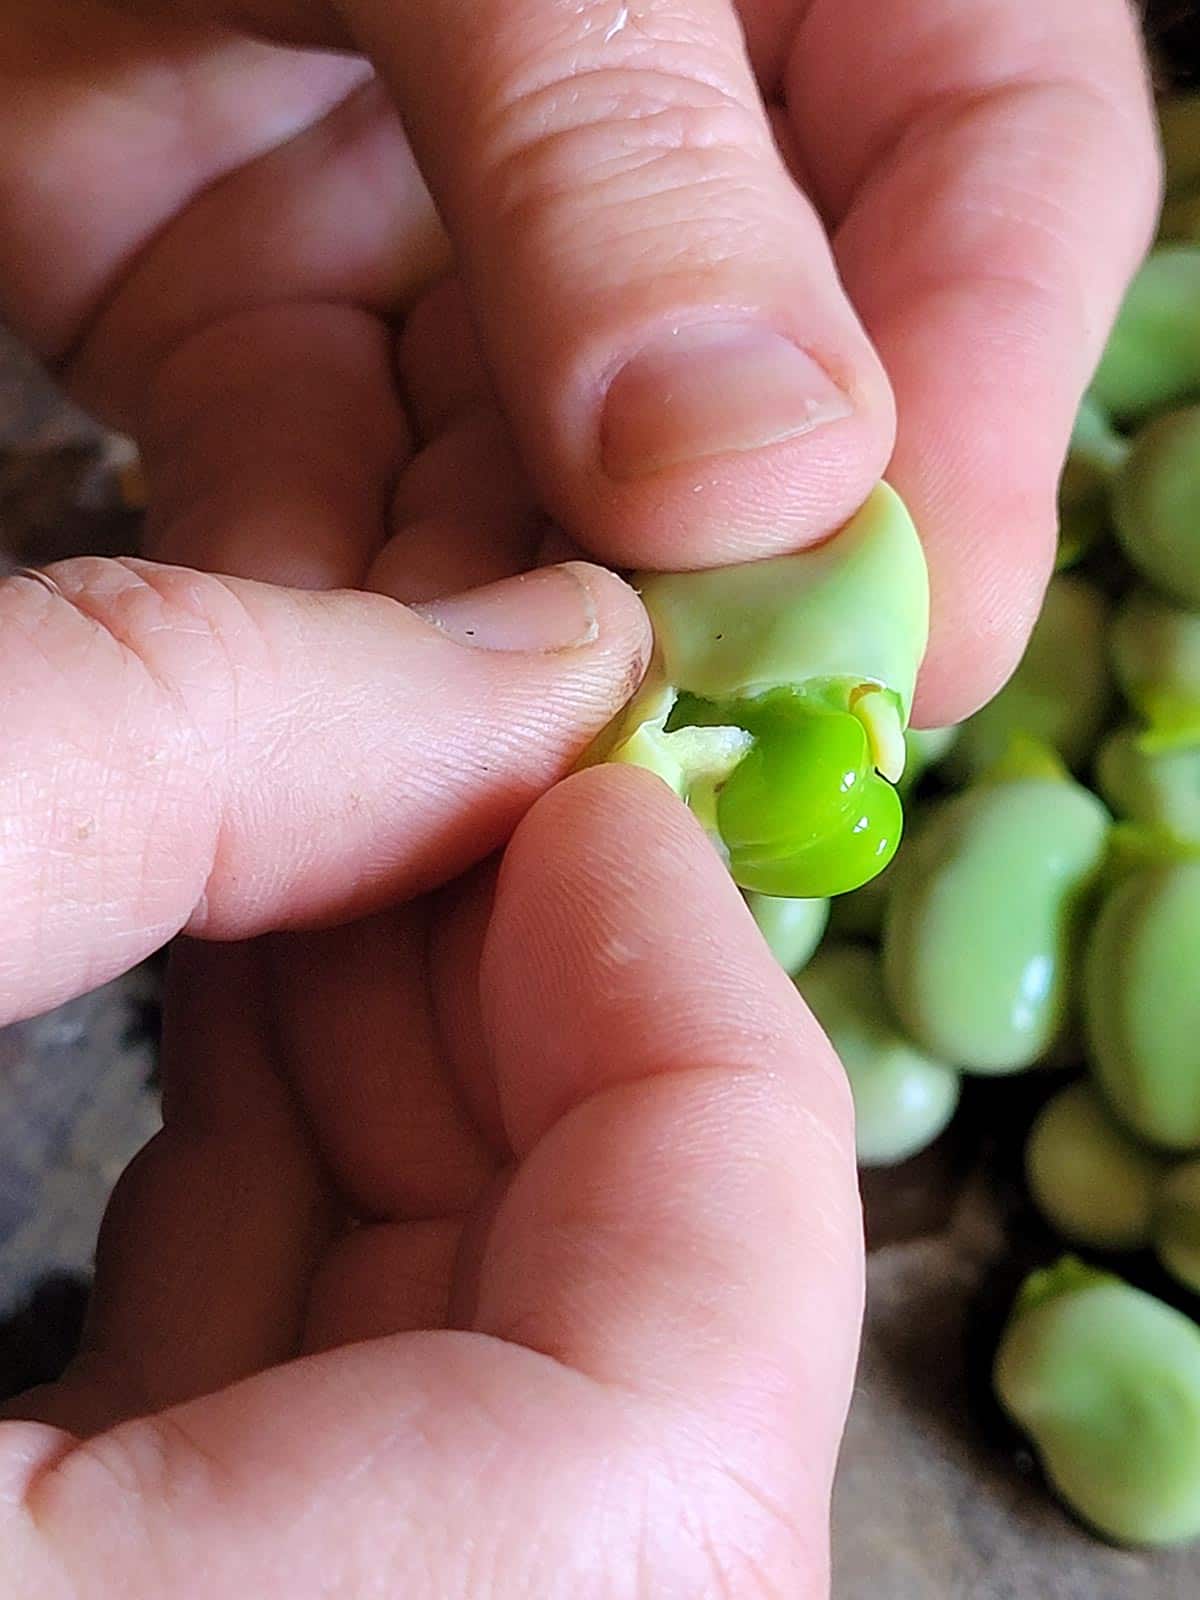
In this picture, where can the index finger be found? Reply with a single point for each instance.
(992, 178)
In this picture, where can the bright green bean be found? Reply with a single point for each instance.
(778, 697)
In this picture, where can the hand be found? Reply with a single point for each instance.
(503, 1242)
(208, 233)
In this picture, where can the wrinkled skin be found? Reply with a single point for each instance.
(491, 1392)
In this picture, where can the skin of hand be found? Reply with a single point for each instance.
(688, 243)
(503, 1241)
(593, 1322)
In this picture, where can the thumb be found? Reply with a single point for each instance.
(186, 752)
(655, 296)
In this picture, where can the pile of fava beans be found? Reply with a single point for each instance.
(1043, 916)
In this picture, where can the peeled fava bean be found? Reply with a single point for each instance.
(1059, 692)
(982, 920)
(1154, 647)
(792, 928)
(777, 699)
(1177, 1225)
(1092, 1182)
(903, 1098)
(1142, 1002)
(1105, 1380)
(1152, 359)
(1156, 504)
(1148, 782)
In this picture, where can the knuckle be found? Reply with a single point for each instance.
(645, 149)
(185, 632)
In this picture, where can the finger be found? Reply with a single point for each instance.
(353, 1018)
(462, 515)
(656, 300)
(336, 215)
(994, 176)
(230, 758)
(382, 1278)
(438, 360)
(211, 1237)
(685, 1216)
(272, 444)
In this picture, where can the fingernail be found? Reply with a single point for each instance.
(543, 611)
(706, 391)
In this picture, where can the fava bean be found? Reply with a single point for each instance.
(1091, 1181)
(1106, 1382)
(1156, 504)
(1155, 651)
(792, 928)
(1147, 782)
(1152, 359)
(1059, 692)
(982, 920)
(903, 1098)
(777, 700)
(1142, 1002)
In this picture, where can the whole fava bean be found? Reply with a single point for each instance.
(1090, 1180)
(1177, 1225)
(1059, 693)
(903, 1098)
(1156, 785)
(1152, 359)
(1141, 986)
(982, 920)
(1105, 1381)
(792, 928)
(1154, 647)
(1156, 504)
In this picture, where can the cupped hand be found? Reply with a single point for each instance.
(503, 1241)
(689, 242)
